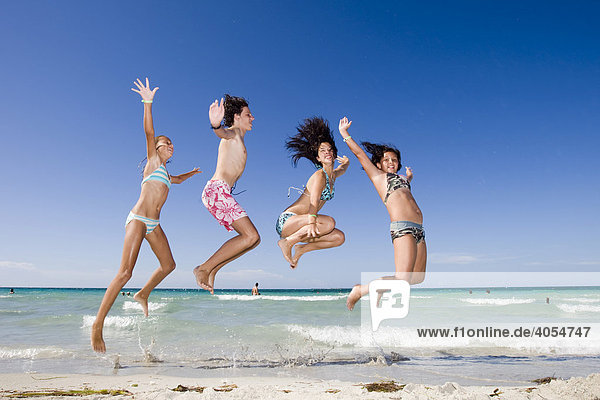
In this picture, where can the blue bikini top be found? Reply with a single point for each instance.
(160, 174)
(329, 191)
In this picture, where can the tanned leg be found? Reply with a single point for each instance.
(295, 230)
(247, 239)
(134, 235)
(333, 239)
(160, 246)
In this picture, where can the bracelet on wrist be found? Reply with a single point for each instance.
(147, 101)
(347, 138)
(217, 127)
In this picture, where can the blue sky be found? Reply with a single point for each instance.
(494, 105)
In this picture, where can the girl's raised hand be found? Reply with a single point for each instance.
(343, 160)
(409, 173)
(216, 112)
(144, 90)
(344, 125)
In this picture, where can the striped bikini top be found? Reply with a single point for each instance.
(395, 182)
(329, 191)
(160, 174)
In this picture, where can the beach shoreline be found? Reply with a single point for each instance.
(149, 386)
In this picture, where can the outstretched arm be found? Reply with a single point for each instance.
(147, 98)
(409, 174)
(364, 160)
(216, 111)
(343, 167)
(182, 177)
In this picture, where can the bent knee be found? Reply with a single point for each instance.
(170, 267)
(339, 237)
(252, 239)
(327, 222)
(124, 276)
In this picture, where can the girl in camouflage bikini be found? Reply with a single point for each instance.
(408, 236)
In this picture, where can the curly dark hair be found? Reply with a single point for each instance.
(378, 150)
(233, 105)
(311, 133)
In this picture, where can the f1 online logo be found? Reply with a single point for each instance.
(389, 299)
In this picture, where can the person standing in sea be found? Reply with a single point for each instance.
(143, 220)
(231, 162)
(406, 228)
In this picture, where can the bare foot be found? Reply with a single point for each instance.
(143, 301)
(286, 249)
(97, 340)
(202, 279)
(211, 280)
(297, 254)
(353, 297)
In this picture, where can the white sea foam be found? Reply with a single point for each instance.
(242, 297)
(134, 305)
(578, 308)
(583, 300)
(113, 321)
(420, 297)
(497, 301)
(30, 353)
(407, 338)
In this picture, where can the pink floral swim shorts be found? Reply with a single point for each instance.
(220, 203)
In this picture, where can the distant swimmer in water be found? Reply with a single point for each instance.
(12, 291)
(301, 221)
(406, 229)
(255, 291)
(143, 220)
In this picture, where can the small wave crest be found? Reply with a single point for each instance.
(579, 308)
(112, 321)
(497, 302)
(242, 297)
(134, 305)
(31, 353)
(583, 300)
(335, 335)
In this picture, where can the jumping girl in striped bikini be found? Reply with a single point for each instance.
(143, 220)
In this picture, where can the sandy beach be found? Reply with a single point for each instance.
(161, 387)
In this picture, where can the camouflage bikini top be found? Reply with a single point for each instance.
(395, 182)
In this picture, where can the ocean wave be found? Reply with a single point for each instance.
(578, 308)
(31, 353)
(395, 338)
(497, 302)
(134, 305)
(113, 321)
(335, 335)
(583, 300)
(242, 297)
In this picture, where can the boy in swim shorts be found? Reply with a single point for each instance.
(231, 161)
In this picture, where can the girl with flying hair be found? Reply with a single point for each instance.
(143, 220)
(301, 221)
(406, 228)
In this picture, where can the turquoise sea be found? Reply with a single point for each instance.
(302, 333)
